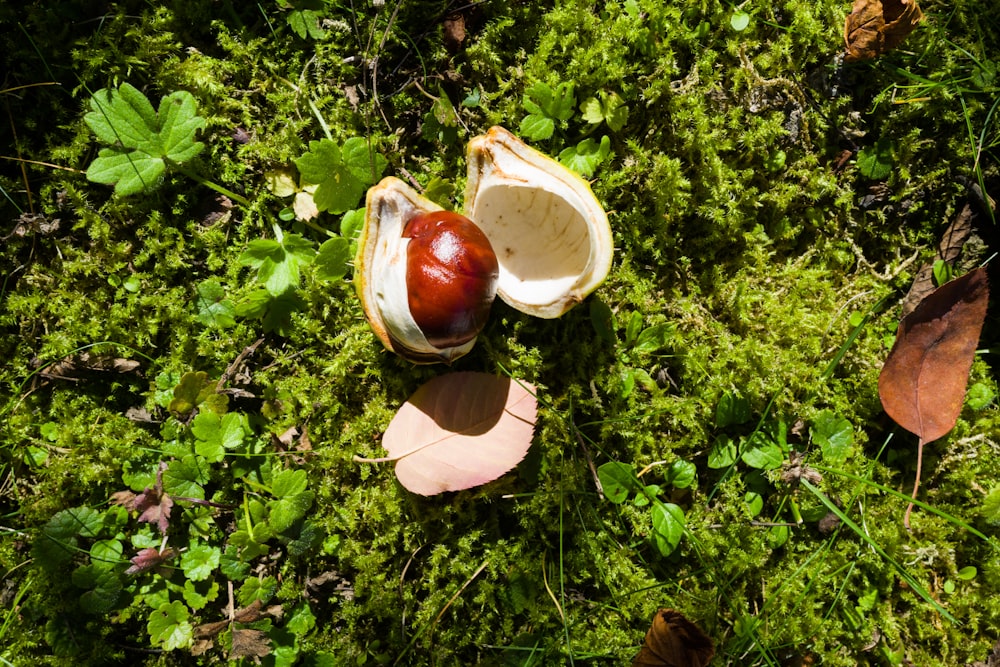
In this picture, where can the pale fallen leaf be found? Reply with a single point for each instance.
(458, 431)
(304, 205)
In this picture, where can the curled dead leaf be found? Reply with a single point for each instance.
(674, 641)
(875, 26)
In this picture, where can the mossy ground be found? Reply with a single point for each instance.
(734, 218)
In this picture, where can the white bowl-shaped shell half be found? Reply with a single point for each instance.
(550, 233)
(380, 272)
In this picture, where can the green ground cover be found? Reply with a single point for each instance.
(180, 333)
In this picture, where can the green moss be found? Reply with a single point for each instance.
(732, 222)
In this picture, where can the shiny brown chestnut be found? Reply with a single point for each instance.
(451, 277)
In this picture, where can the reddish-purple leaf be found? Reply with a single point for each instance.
(153, 505)
(923, 382)
(149, 558)
(674, 641)
(460, 430)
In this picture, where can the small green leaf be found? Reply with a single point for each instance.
(279, 264)
(875, 162)
(440, 191)
(192, 390)
(834, 435)
(352, 223)
(289, 508)
(332, 259)
(301, 621)
(967, 573)
(106, 554)
(732, 409)
(723, 452)
(130, 172)
(979, 396)
(214, 309)
(668, 527)
(777, 536)
(603, 321)
(185, 477)
(200, 560)
(586, 156)
(257, 588)
(755, 502)
(197, 600)
(655, 338)
(232, 566)
(647, 495)
(763, 454)
(341, 173)
(739, 21)
(606, 108)
(305, 22)
(168, 626)
(105, 588)
(545, 107)
(633, 328)
(537, 127)
(618, 480)
(288, 482)
(681, 474)
(942, 272)
(310, 537)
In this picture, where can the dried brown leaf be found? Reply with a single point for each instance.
(248, 614)
(950, 247)
(674, 641)
(922, 384)
(209, 630)
(874, 27)
(249, 643)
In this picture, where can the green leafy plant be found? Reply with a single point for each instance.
(305, 17)
(143, 141)
(637, 346)
(586, 156)
(607, 108)
(341, 173)
(875, 162)
(619, 482)
(547, 108)
(129, 567)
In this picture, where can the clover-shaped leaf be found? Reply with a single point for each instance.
(143, 141)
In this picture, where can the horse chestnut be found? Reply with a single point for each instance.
(451, 277)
